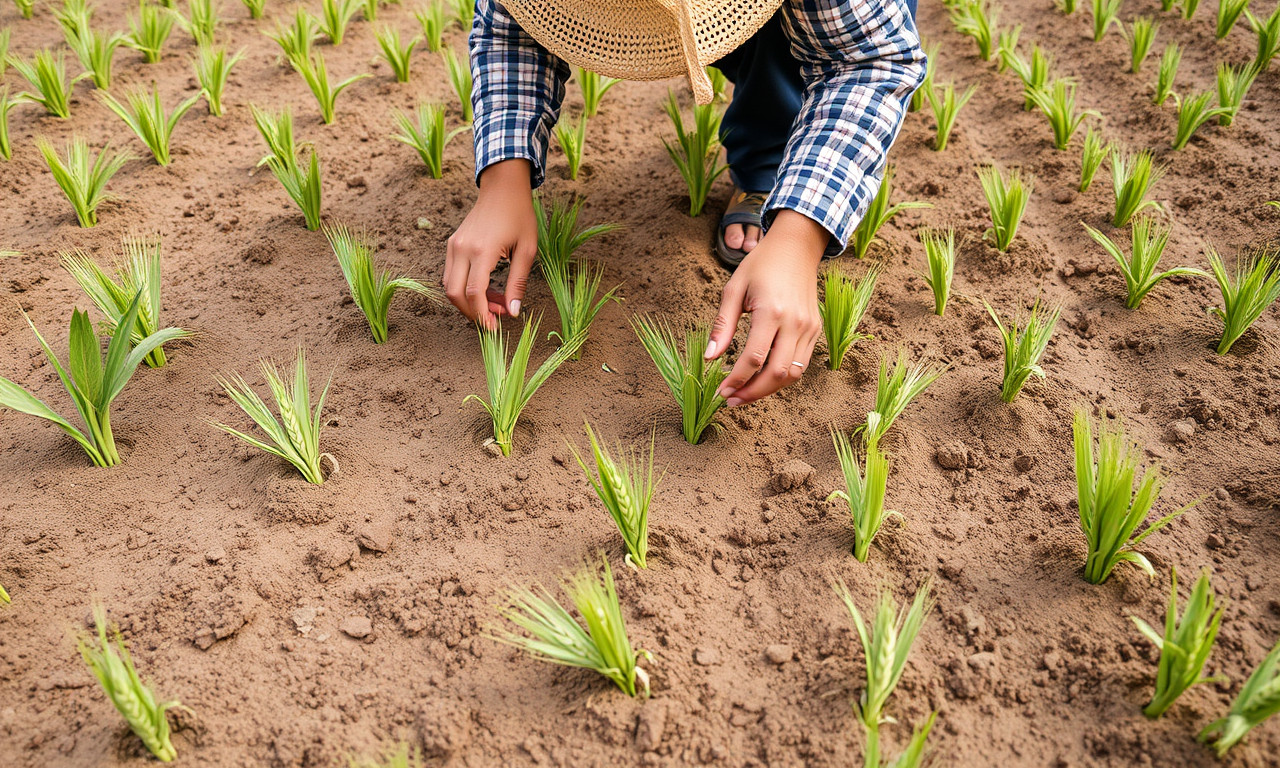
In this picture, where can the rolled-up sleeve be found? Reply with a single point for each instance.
(860, 60)
(517, 91)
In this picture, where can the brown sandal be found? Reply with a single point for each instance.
(744, 208)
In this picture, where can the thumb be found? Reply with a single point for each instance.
(726, 322)
(518, 278)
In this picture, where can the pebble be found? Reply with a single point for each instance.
(706, 656)
(778, 653)
(1214, 541)
(373, 539)
(791, 474)
(650, 724)
(358, 627)
(1179, 431)
(424, 223)
(215, 555)
(491, 447)
(953, 455)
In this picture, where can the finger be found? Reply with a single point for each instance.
(448, 263)
(518, 278)
(496, 302)
(751, 239)
(783, 367)
(455, 287)
(476, 290)
(764, 328)
(726, 322)
(733, 236)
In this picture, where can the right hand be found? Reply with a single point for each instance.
(502, 225)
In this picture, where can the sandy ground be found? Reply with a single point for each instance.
(214, 558)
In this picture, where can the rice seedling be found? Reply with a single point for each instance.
(1246, 295)
(1189, 8)
(572, 138)
(297, 40)
(696, 153)
(1132, 177)
(73, 16)
(213, 67)
(335, 15)
(719, 83)
(1007, 47)
(1169, 61)
(145, 115)
(1067, 7)
(464, 12)
(398, 757)
(316, 74)
(573, 283)
(863, 492)
(370, 10)
(594, 87)
(977, 19)
(926, 86)
(25, 7)
(92, 383)
(878, 214)
(946, 107)
(277, 131)
(1193, 112)
(550, 632)
(6, 104)
(302, 186)
(201, 21)
(1095, 150)
(1186, 645)
(4, 596)
(917, 754)
(137, 274)
(886, 643)
(95, 52)
(895, 390)
(1258, 700)
(1229, 12)
(1141, 36)
(1007, 199)
(460, 77)
(1105, 15)
(625, 485)
(1110, 508)
(1139, 268)
(432, 20)
(940, 253)
(109, 660)
(395, 52)
(843, 305)
(693, 381)
(149, 30)
(509, 391)
(1034, 73)
(1058, 103)
(372, 289)
(82, 178)
(4, 50)
(1268, 34)
(1024, 344)
(428, 135)
(1233, 85)
(1168, 5)
(295, 437)
(256, 8)
(47, 74)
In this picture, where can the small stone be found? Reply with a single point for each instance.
(304, 619)
(424, 223)
(1180, 431)
(706, 656)
(215, 555)
(953, 455)
(984, 664)
(1222, 494)
(358, 627)
(374, 539)
(791, 474)
(355, 182)
(778, 653)
(1214, 541)
(1064, 195)
(1024, 463)
(204, 638)
(492, 448)
(1052, 660)
(650, 724)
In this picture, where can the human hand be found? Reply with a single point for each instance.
(500, 226)
(777, 284)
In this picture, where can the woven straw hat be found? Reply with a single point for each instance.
(643, 39)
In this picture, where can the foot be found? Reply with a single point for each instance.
(741, 237)
(740, 230)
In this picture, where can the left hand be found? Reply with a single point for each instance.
(777, 284)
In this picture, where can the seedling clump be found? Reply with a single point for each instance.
(1024, 345)
(1186, 644)
(1132, 177)
(571, 135)
(940, 251)
(428, 136)
(976, 19)
(81, 178)
(149, 30)
(896, 390)
(396, 53)
(574, 283)
(1105, 15)
(314, 71)
(1142, 36)
(1139, 268)
(1193, 112)
(372, 289)
(1258, 700)
(878, 214)
(302, 186)
(147, 119)
(1169, 61)
(1008, 200)
(1233, 85)
(624, 482)
(863, 492)
(460, 78)
(594, 87)
(696, 152)
(47, 74)
(693, 381)
(946, 106)
(1095, 150)
(1268, 34)
(213, 67)
(1254, 287)
(844, 303)
(1058, 103)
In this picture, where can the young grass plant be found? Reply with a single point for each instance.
(335, 15)
(295, 437)
(886, 643)
(1254, 287)
(460, 77)
(95, 51)
(719, 83)
(1095, 150)
(6, 104)
(369, 10)
(1105, 15)
(4, 596)
(1188, 8)
(110, 662)
(1233, 85)
(550, 632)
(316, 74)
(1268, 33)
(1258, 700)
(82, 178)
(1141, 36)
(977, 19)
(1033, 73)
(1132, 177)
(201, 21)
(464, 12)
(256, 8)
(47, 74)
(213, 67)
(572, 138)
(594, 87)
(372, 289)
(879, 211)
(1186, 644)
(74, 16)
(1007, 47)
(145, 115)
(509, 391)
(396, 53)
(302, 186)
(149, 30)
(1139, 268)
(137, 274)
(92, 383)
(1110, 508)
(843, 305)
(1058, 103)
(574, 283)
(1169, 61)
(428, 135)
(1193, 112)
(1007, 199)
(25, 7)
(863, 492)
(625, 485)
(693, 381)
(4, 50)
(432, 20)
(296, 41)
(1229, 12)
(940, 252)
(895, 390)
(946, 107)
(1024, 344)
(926, 86)
(696, 153)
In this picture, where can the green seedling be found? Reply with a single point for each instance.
(428, 135)
(145, 115)
(879, 211)
(896, 389)
(460, 78)
(1254, 287)
(25, 7)
(213, 67)
(1229, 12)
(372, 289)
(1105, 15)
(1024, 344)
(1007, 198)
(1193, 112)
(1141, 36)
(149, 31)
(1007, 47)
(572, 138)
(82, 178)
(1258, 700)
(926, 86)
(625, 486)
(946, 107)
(1132, 177)
(96, 51)
(1095, 150)
(1268, 33)
(396, 53)
(940, 253)
(1058, 103)
(302, 186)
(863, 492)
(1186, 644)
(843, 306)
(574, 283)
(464, 12)
(297, 41)
(6, 104)
(595, 86)
(432, 20)
(316, 74)
(47, 74)
(1189, 8)
(201, 21)
(1233, 85)
(335, 15)
(977, 19)
(255, 8)
(696, 152)
(693, 381)
(1169, 61)
(1139, 268)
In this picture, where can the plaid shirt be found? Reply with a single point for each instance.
(860, 61)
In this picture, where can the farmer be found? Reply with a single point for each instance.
(821, 87)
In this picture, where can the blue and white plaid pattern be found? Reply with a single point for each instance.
(860, 61)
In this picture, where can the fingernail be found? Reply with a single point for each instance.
(726, 391)
(733, 402)
(515, 307)
(711, 350)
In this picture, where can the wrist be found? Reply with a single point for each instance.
(805, 239)
(507, 179)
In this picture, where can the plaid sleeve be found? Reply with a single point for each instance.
(518, 87)
(860, 60)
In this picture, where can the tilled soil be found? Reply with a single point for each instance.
(238, 586)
